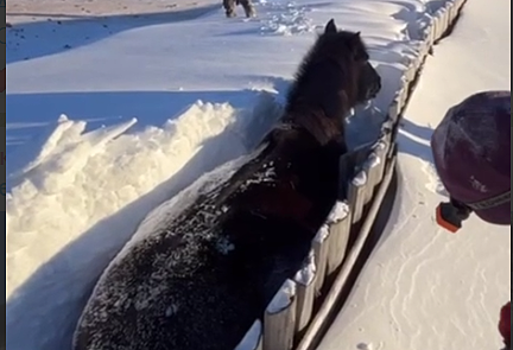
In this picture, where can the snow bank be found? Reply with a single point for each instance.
(113, 169)
(78, 201)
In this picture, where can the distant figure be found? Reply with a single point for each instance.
(247, 5)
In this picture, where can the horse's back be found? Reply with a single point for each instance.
(167, 294)
(199, 284)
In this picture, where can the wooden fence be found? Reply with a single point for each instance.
(300, 309)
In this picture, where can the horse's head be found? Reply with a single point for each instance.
(348, 49)
(334, 77)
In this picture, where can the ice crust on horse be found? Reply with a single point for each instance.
(199, 281)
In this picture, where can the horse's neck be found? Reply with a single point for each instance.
(285, 144)
(321, 101)
(333, 78)
(317, 124)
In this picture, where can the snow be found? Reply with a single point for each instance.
(66, 227)
(150, 103)
(283, 298)
(322, 234)
(65, 151)
(251, 339)
(306, 274)
(424, 288)
(339, 212)
(372, 162)
(360, 179)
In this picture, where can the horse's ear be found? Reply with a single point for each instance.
(357, 47)
(356, 37)
(331, 27)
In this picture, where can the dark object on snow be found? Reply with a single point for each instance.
(201, 281)
(247, 5)
(505, 325)
(452, 214)
(472, 149)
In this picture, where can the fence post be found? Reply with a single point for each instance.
(320, 245)
(372, 168)
(356, 191)
(280, 318)
(381, 149)
(305, 281)
(339, 222)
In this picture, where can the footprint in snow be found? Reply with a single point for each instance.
(363, 346)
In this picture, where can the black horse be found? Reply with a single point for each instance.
(199, 283)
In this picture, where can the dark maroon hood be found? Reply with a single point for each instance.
(472, 152)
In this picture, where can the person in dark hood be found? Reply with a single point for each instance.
(472, 155)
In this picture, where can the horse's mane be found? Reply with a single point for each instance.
(323, 89)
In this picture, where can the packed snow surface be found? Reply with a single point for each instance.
(110, 117)
(424, 288)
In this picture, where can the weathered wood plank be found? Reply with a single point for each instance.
(280, 318)
(305, 281)
(340, 225)
(320, 245)
(356, 197)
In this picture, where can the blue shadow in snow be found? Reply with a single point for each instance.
(42, 38)
(423, 132)
(29, 111)
(32, 116)
(408, 145)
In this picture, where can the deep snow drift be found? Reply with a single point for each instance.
(203, 90)
(424, 288)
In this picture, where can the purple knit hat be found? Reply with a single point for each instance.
(471, 151)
